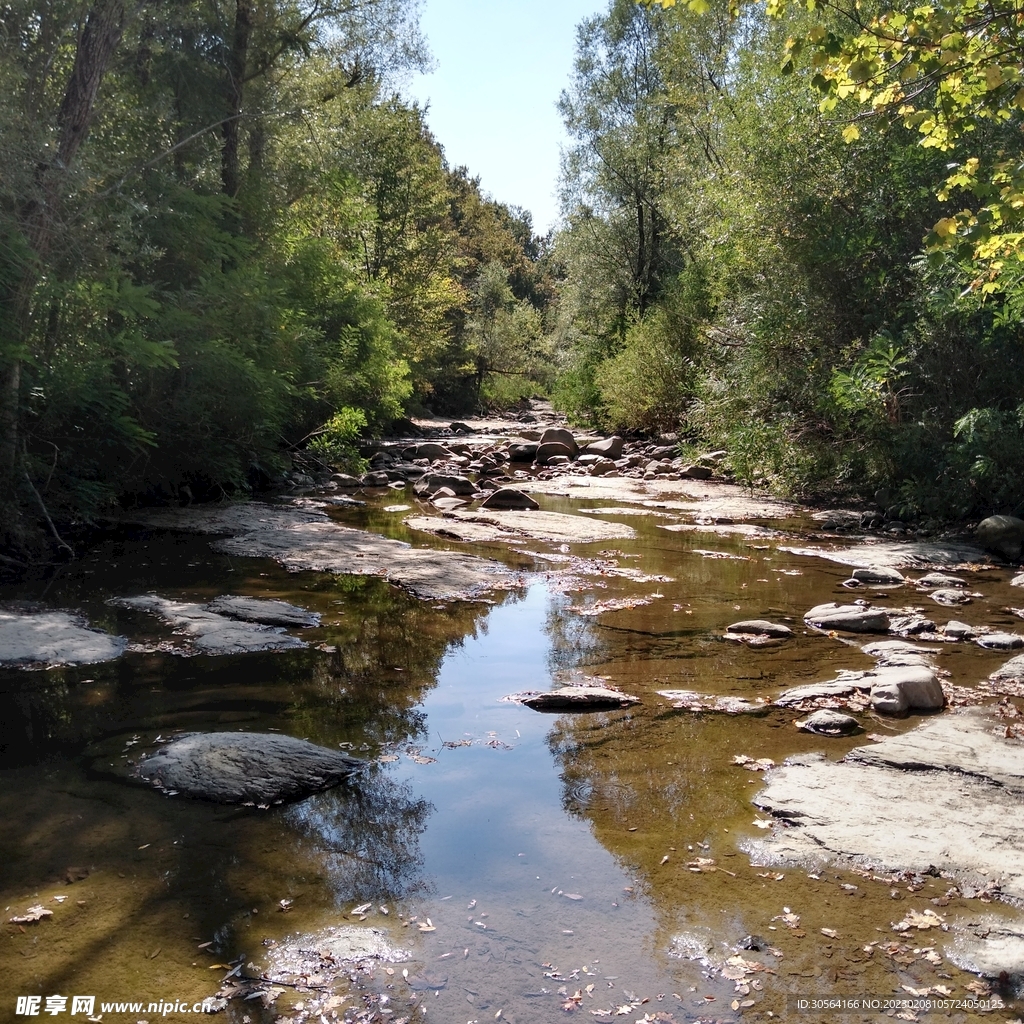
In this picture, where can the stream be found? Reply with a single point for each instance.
(513, 865)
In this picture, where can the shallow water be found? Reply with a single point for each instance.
(547, 851)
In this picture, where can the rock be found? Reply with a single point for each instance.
(559, 435)
(604, 467)
(209, 632)
(433, 451)
(548, 450)
(904, 554)
(697, 472)
(522, 452)
(688, 700)
(848, 684)
(825, 722)
(557, 460)
(1017, 581)
(1002, 535)
(993, 948)
(852, 618)
(501, 525)
(945, 795)
(610, 447)
(882, 648)
(949, 597)
(378, 479)
(458, 427)
(940, 579)
(303, 538)
(446, 502)
(1000, 641)
(431, 483)
(576, 698)
(879, 574)
(241, 767)
(269, 613)
(957, 630)
(1010, 672)
(509, 497)
(345, 482)
(40, 639)
(762, 627)
(897, 689)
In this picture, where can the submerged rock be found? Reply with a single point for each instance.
(1010, 672)
(575, 698)
(211, 633)
(848, 684)
(40, 639)
(950, 597)
(689, 700)
(941, 579)
(502, 525)
(853, 618)
(826, 722)
(243, 767)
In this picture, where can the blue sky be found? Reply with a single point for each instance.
(500, 66)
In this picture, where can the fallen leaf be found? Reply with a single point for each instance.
(830, 932)
(33, 914)
(572, 895)
(362, 908)
(427, 926)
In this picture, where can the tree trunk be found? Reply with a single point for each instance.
(104, 26)
(237, 58)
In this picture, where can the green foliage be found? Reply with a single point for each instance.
(334, 442)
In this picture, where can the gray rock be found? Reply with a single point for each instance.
(208, 632)
(1002, 535)
(849, 683)
(345, 482)
(509, 497)
(610, 447)
(697, 472)
(1011, 671)
(885, 648)
(879, 574)
(958, 630)
(504, 525)
(548, 450)
(825, 722)
(40, 639)
(1017, 581)
(897, 689)
(377, 479)
(241, 767)
(522, 452)
(946, 795)
(554, 460)
(1000, 641)
(762, 627)
(559, 435)
(852, 618)
(941, 579)
(605, 467)
(993, 948)
(689, 700)
(431, 483)
(577, 698)
(269, 613)
(950, 597)
(433, 451)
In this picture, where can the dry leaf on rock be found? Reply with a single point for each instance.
(760, 764)
(33, 914)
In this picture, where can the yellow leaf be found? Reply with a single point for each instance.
(993, 76)
(851, 133)
(945, 227)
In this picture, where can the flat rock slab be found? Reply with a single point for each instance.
(207, 632)
(949, 793)
(804, 697)
(497, 525)
(689, 700)
(761, 627)
(301, 538)
(42, 639)
(851, 618)
(245, 767)
(575, 698)
(267, 612)
(896, 554)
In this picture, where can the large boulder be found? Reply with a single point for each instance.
(431, 483)
(897, 689)
(522, 451)
(879, 574)
(548, 450)
(1001, 535)
(509, 497)
(245, 767)
(609, 447)
(433, 451)
(559, 435)
(853, 618)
